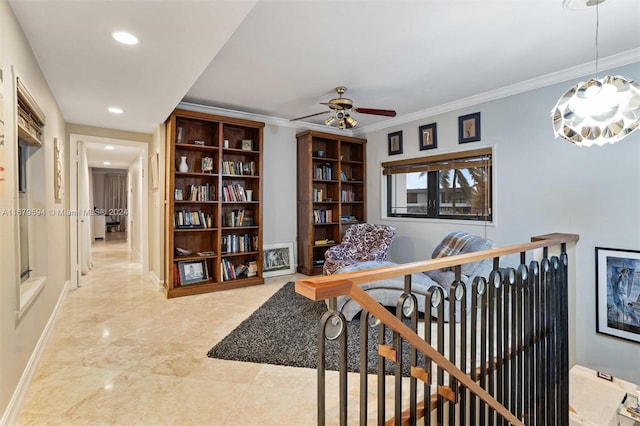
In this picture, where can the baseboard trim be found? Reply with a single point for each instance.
(12, 412)
(154, 278)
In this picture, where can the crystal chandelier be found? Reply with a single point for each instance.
(598, 111)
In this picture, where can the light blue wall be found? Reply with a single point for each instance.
(542, 185)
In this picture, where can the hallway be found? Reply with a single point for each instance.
(121, 353)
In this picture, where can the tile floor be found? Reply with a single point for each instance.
(121, 353)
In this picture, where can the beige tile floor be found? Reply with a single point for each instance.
(121, 353)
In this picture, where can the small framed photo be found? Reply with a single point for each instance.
(428, 136)
(395, 143)
(178, 195)
(277, 259)
(469, 128)
(247, 145)
(618, 293)
(193, 271)
(207, 165)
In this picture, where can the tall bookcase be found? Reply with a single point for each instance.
(331, 193)
(213, 209)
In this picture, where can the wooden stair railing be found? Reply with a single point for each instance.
(330, 287)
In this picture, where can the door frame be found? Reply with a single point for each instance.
(74, 258)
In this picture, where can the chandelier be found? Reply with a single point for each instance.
(600, 110)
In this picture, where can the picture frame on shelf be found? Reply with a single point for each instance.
(395, 142)
(193, 271)
(206, 165)
(618, 293)
(247, 145)
(177, 194)
(469, 128)
(277, 259)
(428, 135)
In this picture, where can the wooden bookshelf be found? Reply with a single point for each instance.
(199, 200)
(331, 193)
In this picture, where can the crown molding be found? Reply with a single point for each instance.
(276, 121)
(614, 61)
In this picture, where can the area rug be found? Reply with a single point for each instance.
(284, 330)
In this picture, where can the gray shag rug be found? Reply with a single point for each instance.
(284, 331)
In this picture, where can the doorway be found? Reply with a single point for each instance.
(91, 159)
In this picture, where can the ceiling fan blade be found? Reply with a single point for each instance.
(310, 115)
(385, 112)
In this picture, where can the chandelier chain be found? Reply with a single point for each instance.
(597, 30)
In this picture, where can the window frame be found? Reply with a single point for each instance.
(432, 165)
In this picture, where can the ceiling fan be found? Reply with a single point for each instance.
(340, 109)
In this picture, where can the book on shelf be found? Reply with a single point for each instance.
(239, 168)
(252, 270)
(229, 271)
(238, 217)
(348, 219)
(192, 219)
(239, 243)
(234, 192)
(202, 192)
(322, 216)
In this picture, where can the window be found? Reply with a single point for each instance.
(23, 205)
(447, 186)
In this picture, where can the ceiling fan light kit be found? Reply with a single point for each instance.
(339, 108)
(601, 110)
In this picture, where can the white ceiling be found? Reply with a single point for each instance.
(120, 157)
(281, 58)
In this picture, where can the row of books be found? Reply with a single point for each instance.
(322, 216)
(239, 243)
(234, 192)
(205, 192)
(238, 217)
(324, 171)
(192, 219)
(229, 271)
(239, 168)
(347, 196)
(318, 195)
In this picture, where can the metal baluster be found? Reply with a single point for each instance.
(332, 327)
(494, 342)
(365, 320)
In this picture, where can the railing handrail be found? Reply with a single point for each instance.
(330, 286)
(326, 287)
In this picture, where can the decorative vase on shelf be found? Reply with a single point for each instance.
(183, 167)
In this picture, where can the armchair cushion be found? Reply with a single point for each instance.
(362, 242)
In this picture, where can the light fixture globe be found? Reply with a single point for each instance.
(598, 111)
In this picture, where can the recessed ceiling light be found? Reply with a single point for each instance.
(109, 147)
(125, 38)
(106, 163)
(116, 110)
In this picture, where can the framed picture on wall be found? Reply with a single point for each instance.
(618, 293)
(428, 136)
(395, 143)
(469, 128)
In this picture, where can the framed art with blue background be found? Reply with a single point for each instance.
(428, 136)
(618, 293)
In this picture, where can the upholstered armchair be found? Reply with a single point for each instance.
(362, 242)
